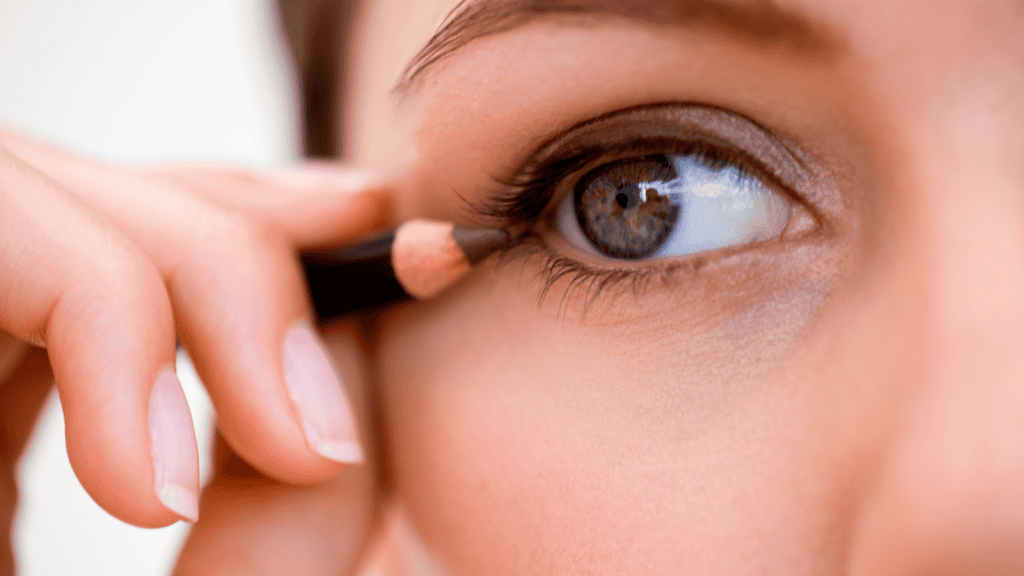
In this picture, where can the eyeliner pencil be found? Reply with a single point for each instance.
(418, 259)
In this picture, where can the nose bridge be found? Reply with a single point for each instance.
(954, 484)
(972, 201)
(972, 196)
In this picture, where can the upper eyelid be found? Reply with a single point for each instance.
(765, 155)
(707, 119)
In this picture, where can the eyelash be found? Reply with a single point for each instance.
(592, 280)
(526, 198)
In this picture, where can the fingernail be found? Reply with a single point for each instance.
(175, 456)
(318, 396)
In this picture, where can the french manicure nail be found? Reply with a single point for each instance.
(318, 396)
(175, 456)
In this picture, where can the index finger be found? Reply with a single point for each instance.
(315, 205)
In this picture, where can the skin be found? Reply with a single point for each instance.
(99, 279)
(846, 400)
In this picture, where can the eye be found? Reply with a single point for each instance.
(667, 205)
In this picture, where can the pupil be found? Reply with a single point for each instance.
(628, 196)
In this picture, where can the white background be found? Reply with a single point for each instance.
(134, 81)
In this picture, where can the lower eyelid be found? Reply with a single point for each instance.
(697, 288)
(552, 241)
(585, 281)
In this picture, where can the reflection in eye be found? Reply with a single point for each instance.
(670, 205)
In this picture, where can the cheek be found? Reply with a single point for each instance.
(527, 442)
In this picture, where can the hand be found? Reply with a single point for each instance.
(101, 267)
(254, 525)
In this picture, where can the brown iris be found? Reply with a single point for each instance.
(621, 213)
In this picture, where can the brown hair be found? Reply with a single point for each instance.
(317, 32)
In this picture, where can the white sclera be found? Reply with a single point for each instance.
(719, 208)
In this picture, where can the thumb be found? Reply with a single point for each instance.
(250, 524)
(25, 381)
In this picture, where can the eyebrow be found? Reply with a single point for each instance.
(760, 23)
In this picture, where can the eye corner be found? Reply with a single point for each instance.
(803, 224)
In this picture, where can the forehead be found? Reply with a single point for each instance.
(888, 39)
(805, 27)
(901, 43)
(764, 24)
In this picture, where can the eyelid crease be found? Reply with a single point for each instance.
(712, 122)
(701, 129)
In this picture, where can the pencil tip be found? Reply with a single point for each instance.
(479, 243)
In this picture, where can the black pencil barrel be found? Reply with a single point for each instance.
(352, 278)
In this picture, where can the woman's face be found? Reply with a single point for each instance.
(767, 312)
